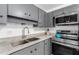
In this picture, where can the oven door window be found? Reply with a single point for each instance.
(60, 20)
(62, 50)
(73, 18)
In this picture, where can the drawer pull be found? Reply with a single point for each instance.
(25, 13)
(31, 51)
(35, 49)
(29, 14)
(1, 16)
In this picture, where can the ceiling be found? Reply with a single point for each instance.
(51, 7)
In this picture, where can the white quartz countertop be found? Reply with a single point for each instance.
(7, 50)
(10, 49)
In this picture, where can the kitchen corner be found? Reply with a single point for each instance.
(28, 29)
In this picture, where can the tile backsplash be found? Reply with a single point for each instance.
(12, 29)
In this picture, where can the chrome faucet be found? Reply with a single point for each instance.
(23, 32)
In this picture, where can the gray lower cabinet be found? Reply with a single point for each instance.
(37, 49)
(25, 51)
(26, 11)
(48, 47)
(3, 13)
(40, 48)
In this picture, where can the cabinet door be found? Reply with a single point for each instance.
(41, 18)
(52, 19)
(70, 9)
(58, 12)
(40, 48)
(25, 51)
(78, 11)
(47, 20)
(3, 13)
(27, 11)
(33, 12)
(77, 7)
(18, 10)
(48, 47)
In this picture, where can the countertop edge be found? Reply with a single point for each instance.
(27, 45)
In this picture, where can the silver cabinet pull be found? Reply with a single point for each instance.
(31, 51)
(35, 49)
(25, 13)
(1, 16)
(29, 14)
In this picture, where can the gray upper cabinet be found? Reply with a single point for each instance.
(33, 12)
(65, 11)
(78, 11)
(46, 24)
(41, 18)
(77, 6)
(52, 21)
(27, 11)
(3, 13)
(44, 19)
(47, 20)
(58, 12)
(70, 9)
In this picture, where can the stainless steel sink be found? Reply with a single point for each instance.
(14, 44)
(32, 39)
(28, 40)
(24, 41)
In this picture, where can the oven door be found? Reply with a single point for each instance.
(63, 50)
(60, 20)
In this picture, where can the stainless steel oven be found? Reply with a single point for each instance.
(68, 37)
(67, 18)
(63, 50)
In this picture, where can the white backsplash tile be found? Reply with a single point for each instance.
(13, 29)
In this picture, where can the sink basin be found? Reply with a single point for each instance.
(32, 39)
(24, 41)
(19, 43)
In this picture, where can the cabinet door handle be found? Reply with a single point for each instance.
(35, 49)
(29, 14)
(1, 16)
(25, 13)
(31, 51)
